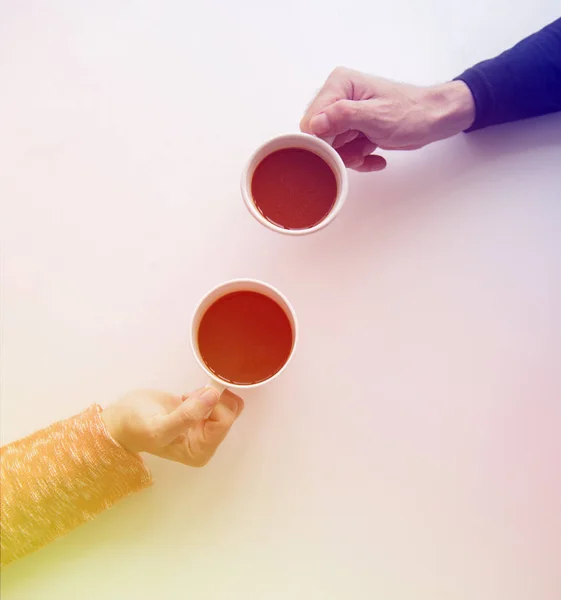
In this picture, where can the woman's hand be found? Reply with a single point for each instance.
(187, 429)
(361, 112)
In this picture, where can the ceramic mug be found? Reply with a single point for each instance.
(301, 141)
(240, 285)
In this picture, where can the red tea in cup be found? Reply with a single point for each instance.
(245, 337)
(294, 188)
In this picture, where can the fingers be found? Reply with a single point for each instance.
(340, 117)
(336, 87)
(197, 407)
(231, 401)
(357, 154)
(322, 101)
(345, 138)
(371, 163)
(222, 418)
(354, 152)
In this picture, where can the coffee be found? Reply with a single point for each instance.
(294, 188)
(245, 337)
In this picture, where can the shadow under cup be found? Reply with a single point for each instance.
(294, 184)
(243, 333)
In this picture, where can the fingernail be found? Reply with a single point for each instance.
(209, 397)
(319, 124)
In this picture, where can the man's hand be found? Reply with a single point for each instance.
(361, 113)
(187, 429)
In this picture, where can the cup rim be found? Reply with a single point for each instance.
(194, 345)
(342, 190)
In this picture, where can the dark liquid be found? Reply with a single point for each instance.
(245, 338)
(294, 188)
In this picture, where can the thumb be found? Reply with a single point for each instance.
(339, 117)
(190, 412)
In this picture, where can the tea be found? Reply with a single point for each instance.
(245, 337)
(294, 188)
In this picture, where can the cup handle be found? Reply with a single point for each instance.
(216, 386)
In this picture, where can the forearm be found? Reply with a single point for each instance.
(522, 82)
(56, 479)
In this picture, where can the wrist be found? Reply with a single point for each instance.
(113, 425)
(452, 109)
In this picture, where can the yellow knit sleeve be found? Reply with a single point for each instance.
(56, 479)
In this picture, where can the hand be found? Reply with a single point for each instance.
(187, 429)
(362, 112)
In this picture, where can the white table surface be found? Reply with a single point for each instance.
(412, 451)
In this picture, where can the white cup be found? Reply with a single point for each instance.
(239, 285)
(305, 142)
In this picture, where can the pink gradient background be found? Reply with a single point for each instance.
(413, 448)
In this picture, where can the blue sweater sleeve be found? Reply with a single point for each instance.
(522, 82)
